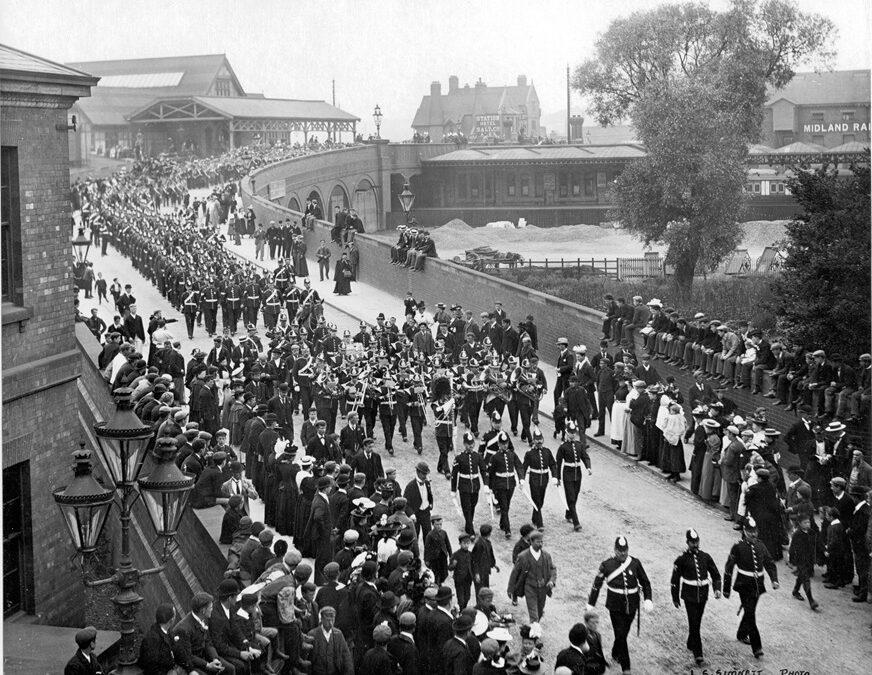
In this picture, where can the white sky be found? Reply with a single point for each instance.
(378, 51)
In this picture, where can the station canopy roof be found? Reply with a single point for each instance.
(539, 153)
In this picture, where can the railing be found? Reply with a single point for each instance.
(616, 268)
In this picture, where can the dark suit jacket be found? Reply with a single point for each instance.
(320, 524)
(696, 397)
(456, 659)
(156, 652)
(351, 440)
(79, 665)
(251, 433)
(340, 509)
(413, 496)
(134, 326)
(329, 658)
(225, 634)
(438, 633)
(639, 408)
(650, 376)
(371, 467)
(336, 595)
(405, 652)
(284, 411)
(191, 644)
(571, 658)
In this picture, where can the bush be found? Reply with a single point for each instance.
(724, 298)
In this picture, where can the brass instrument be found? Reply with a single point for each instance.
(358, 399)
(527, 385)
(498, 386)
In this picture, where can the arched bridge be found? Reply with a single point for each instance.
(365, 177)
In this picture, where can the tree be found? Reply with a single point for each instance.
(822, 295)
(693, 82)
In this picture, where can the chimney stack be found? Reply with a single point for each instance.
(522, 80)
(453, 83)
(435, 89)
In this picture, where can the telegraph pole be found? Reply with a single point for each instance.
(568, 111)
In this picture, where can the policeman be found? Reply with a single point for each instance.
(538, 467)
(750, 558)
(692, 572)
(209, 300)
(623, 576)
(466, 478)
(387, 411)
(251, 301)
(571, 456)
(503, 472)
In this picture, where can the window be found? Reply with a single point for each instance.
(525, 185)
(847, 115)
(461, 186)
(563, 180)
(817, 117)
(848, 138)
(17, 546)
(817, 139)
(489, 186)
(575, 180)
(776, 188)
(510, 184)
(540, 184)
(10, 223)
(757, 188)
(475, 185)
(589, 185)
(222, 87)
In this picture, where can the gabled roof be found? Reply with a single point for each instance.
(479, 100)
(197, 74)
(254, 108)
(111, 110)
(17, 64)
(830, 88)
(801, 148)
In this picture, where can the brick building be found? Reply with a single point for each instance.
(41, 361)
(828, 109)
(482, 113)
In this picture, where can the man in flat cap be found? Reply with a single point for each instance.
(84, 661)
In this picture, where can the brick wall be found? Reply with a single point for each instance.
(40, 362)
(444, 281)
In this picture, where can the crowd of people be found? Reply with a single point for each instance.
(413, 247)
(291, 419)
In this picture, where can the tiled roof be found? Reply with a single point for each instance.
(105, 109)
(479, 100)
(16, 62)
(830, 88)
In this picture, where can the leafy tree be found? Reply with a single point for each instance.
(822, 295)
(693, 82)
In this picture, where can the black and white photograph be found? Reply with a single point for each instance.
(377, 337)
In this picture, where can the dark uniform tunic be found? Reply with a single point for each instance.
(692, 573)
(749, 559)
(571, 455)
(539, 467)
(466, 479)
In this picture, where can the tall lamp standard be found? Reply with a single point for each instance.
(123, 443)
(377, 119)
(81, 245)
(407, 198)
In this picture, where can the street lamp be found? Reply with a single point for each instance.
(123, 442)
(377, 119)
(407, 198)
(81, 246)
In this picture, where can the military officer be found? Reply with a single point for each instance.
(750, 558)
(466, 478)
(692, 573)
(571, 457)
(503, 474)
(624, 578)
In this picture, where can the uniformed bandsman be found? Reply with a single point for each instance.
(190, 307)
(624, 578)
(692, 573)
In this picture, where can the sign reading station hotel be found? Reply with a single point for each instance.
(834, 126)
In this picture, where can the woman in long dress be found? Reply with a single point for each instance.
(286, 497)
(619, 407)
(301, 265)
(673, 427)
(764, 507)
(342, 275)
(713, 446)
(629, 429)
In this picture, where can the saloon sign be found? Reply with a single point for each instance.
(840, 127)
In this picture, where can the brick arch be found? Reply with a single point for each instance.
(294, 204)
(365, 202)
(315, 193)
(338, 197)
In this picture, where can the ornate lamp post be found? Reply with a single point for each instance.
(81, 246)
(407, 198)
(377, 119)
(123, 443)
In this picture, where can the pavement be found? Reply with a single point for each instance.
(620, 498)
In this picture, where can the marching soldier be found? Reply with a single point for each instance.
(750, 558)
(624, 578)
(251, 301)
(538, 467)
(387, 411)
(692, 573)
(417, 412)
(503, 474)
(291, 301)
(443, 410)
(466, 478)
(232, 305)
(571, 457)
(209, 301)
(272, 304)
(474, 396)
(190, 305)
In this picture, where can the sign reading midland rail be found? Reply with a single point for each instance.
(834, 126)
